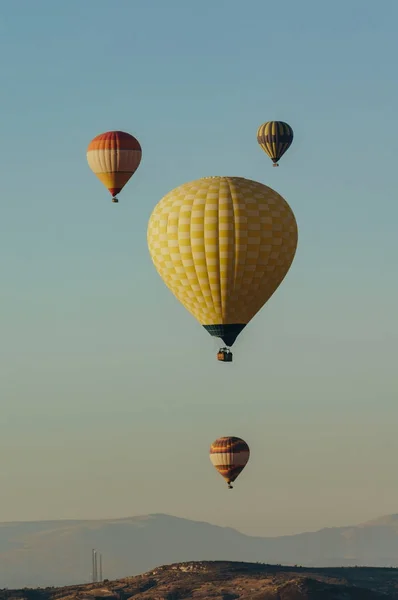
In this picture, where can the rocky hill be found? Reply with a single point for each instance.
(230, 581)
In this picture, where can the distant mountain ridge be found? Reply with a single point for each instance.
(46, 553)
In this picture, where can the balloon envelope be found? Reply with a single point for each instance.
(114, 157)
(229, 455)
(275, 137)
(222, 245)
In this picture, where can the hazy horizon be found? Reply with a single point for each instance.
(60, 553)
(110, 390)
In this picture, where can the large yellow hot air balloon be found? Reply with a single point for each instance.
(229, 455)
(275, 137)
(114, 157)
(222, 245)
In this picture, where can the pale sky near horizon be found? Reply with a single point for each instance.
(110, 390)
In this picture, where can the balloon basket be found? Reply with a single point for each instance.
(115, 200)
(224, 355)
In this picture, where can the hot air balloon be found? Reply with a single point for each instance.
(114, 157)
(275, 137)
(229, 455)
(222, 245)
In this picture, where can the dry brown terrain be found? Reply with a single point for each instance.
(230, 581)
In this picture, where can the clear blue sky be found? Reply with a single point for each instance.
(110, 391)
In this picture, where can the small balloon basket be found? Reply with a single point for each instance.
(224, 355)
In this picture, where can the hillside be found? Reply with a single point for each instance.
(59, 552)
(231, 581)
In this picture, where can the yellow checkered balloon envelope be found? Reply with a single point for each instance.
(222, 245)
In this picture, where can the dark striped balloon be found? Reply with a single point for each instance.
(229, 455)
(275, 137)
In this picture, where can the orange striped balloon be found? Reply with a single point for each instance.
(229, 455)
(114, 157)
